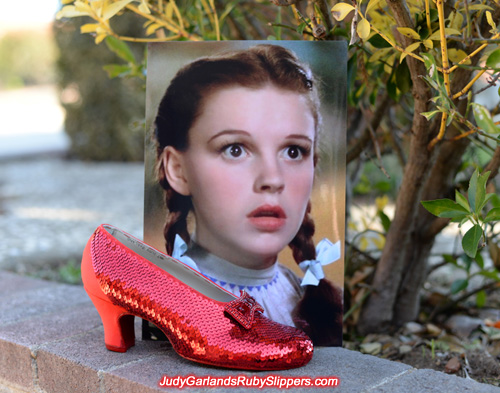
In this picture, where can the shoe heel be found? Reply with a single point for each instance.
(118, 325)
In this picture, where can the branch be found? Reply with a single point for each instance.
(326, 14)
(356, 150)
(494, 164)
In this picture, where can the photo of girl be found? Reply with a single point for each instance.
(236, 143)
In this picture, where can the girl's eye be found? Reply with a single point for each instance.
(295, 152)
(233, 151)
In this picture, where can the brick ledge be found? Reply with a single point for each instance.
(51, 340)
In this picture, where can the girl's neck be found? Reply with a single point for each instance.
(245, 260)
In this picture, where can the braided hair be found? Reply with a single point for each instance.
(319, 313)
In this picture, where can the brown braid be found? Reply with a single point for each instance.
(178, 207)
(319, 312)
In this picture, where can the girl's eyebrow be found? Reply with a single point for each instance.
(230, 132)
(299, 136)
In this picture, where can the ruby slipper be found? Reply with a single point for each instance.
(202, 321)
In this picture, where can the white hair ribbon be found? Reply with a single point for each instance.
(180, 248)
(326, 253)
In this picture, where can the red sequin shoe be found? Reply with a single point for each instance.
(203, 321)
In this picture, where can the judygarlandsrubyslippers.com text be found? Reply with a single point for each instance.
(248, 381)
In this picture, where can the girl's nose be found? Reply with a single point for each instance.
(269, 177)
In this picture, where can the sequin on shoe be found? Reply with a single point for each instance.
(227, 334)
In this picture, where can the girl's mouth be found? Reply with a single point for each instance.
(267, 218)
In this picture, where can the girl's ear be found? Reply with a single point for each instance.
(173, 165)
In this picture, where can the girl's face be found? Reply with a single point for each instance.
(249, 169)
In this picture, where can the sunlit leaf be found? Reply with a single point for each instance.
(371, 4)
(363, 244)
(470, 241)
(456, 20)
(379, 241)
(89, 28)
(378, 54)
(143, 7)
(406, 31)
(100, 38)
(113, 8)
(70, 11)
(363, 29)
(151, 29)
(479, 7)
(341, 10)
(428, 44)
(489, 18)
(381, 202)
(447, 31)
(409, 49)
(457, 55)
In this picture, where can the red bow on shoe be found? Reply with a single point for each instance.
(243, 309)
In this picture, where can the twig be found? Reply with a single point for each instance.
(452, 303)
(491, 82)
(361, 143)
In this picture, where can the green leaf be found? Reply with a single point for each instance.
(378, 42)
(483, 119)
(301, 27)
(450, 259)
(392, 88)
(481, 299)
(386, 221)
(486, 200)
(429, 60)
(470, 241)
(490, 274)
(403, 77)
(493, 60)
(459, 285)
(445, 208)
(493, 215)
(461, 200)
(495, 200)
(479, 260)
(115, 70)
(477, 191)
(430, 115)
(120, 48)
